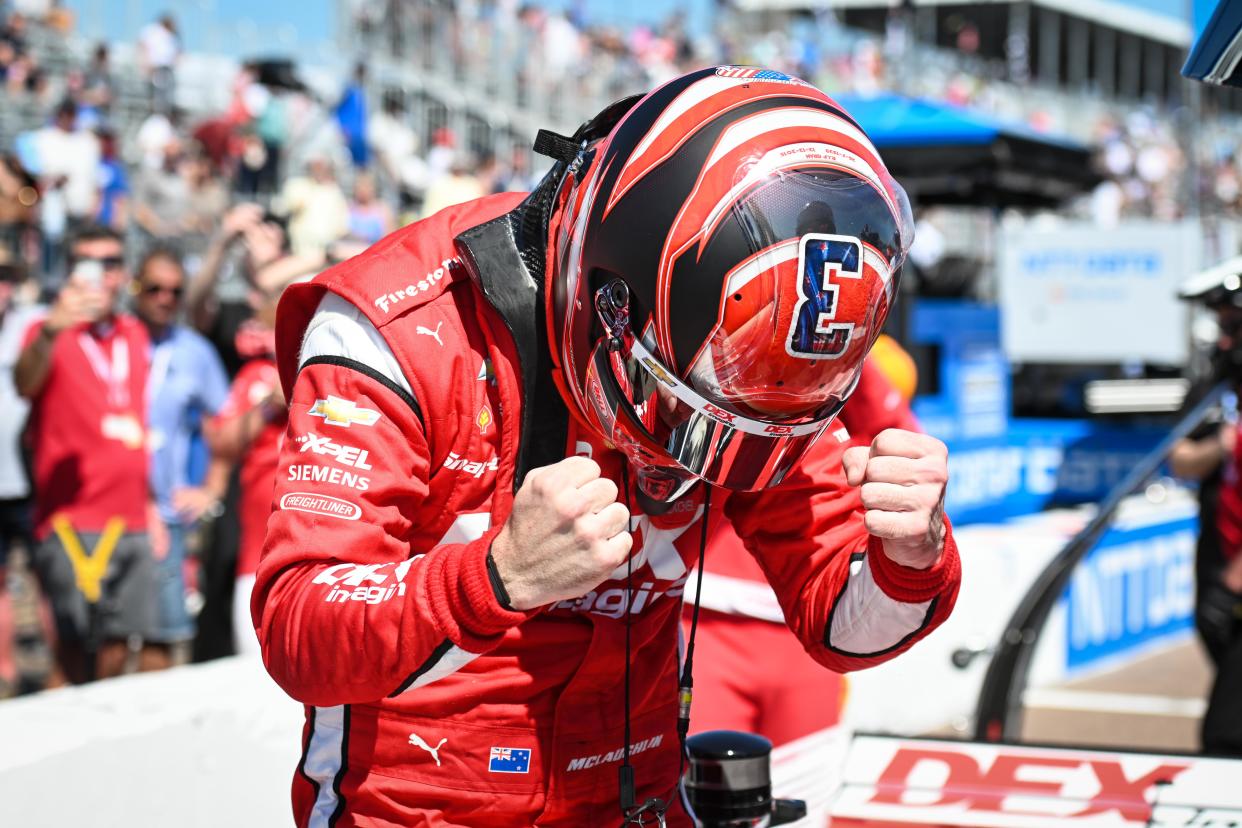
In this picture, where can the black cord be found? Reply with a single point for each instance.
(626, 771)
(655, 806)
(685, 692)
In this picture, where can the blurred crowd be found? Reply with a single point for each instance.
(547, 55)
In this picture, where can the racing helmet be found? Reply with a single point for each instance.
(722, 253)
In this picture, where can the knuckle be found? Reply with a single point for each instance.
(568, 505)
(609, 554)
(874, 522)
(587, 465)
(537, 482)
(622, 544)
(887, 439)
(584, 534)
(872, 494)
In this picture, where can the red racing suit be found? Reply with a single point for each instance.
(429, 703)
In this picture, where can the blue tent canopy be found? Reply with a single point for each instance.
(1216, 55)
(943, 154)
(896, 121)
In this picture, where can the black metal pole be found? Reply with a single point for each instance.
(998, 716)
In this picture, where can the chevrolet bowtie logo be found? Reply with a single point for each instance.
(338, 412)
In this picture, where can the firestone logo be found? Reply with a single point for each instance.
(413, 289)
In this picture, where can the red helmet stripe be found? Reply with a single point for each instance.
(767, 259)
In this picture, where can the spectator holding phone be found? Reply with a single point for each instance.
(218, 297)
(84, 370)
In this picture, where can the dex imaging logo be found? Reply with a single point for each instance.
(509, 760)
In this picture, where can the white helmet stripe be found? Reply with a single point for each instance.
(683, 103)
(761, 262)
(792, 116)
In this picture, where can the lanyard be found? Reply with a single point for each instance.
(89, 570)
(114, 374)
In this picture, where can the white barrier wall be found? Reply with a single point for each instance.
(208, 745)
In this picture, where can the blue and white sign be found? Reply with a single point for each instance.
(1135, 588)
(1040, 463)
(1080, 293)
(972, 397)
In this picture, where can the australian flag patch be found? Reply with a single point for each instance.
(509, 760)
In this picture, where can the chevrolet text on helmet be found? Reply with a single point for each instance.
(721, 260)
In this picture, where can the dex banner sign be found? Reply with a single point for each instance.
(891, 781)
(1079, 293)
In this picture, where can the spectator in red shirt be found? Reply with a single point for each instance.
(250, 428)
(84, 369)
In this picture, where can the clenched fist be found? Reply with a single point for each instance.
(566, 535)
(903, 476)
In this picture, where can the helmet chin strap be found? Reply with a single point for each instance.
(562, 148)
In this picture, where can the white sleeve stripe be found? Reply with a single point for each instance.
(467, 527)
(323, 761)
(736, 596)
(453, 660)
(866, 621)
(338, 329)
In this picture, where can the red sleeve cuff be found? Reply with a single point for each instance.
(915, 586)
(476, 620)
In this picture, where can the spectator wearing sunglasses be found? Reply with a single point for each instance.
(185, 386)
(84, 369)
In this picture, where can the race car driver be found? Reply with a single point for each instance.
(507, 421)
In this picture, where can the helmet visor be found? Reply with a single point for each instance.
(659, 421)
